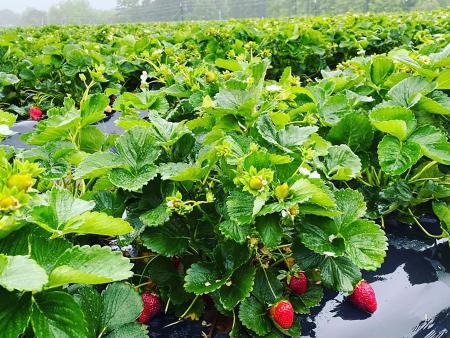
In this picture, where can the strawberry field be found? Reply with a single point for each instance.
(229, 172)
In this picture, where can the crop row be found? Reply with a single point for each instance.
(42, 65)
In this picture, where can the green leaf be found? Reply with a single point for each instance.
(97, 223)
(121, 305)
(437, 103)
(443, 80)
(270, 230)
(92, 139)
(433, 143)
(442, 211)
(130, 330)
(240, 207)
(380, 69)
(7, 118)
(57, 315)
(284, 139)
(205, 278)
(265, 282)
(396, 121)
(96, 165)
(231, 65)
(156, 217)
(408, 92)
(45, 251)
(253, 316)
(341, 163)
(312, 193)
(21, 273)
(353, 130)
(240, 288)
(322, 237)
(15, 311)
(61, 207)
(235, 231)
(8, 79)
(168, 240)
(90, 265)
(90, 303)
(309, 299)
(305, 258)
(92, 110)
(167, 133)
(396, 157)
(351, 204)
(365, 243)
(339, 273)
(137, 149)
(131, 179)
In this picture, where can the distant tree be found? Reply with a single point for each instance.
(33, 17)
(9, 18)
(77, 12)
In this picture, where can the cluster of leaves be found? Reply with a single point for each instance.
(39, 65)
(224, 181)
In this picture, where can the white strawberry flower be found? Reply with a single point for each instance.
(304, 171)
(144, 76)
(274, 88)
(329, 254)
(314, 174)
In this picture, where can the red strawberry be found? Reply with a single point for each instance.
(152, 305)
(282, 313)
(363, 297)
(35, 113)
(298, 283)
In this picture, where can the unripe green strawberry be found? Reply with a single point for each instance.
(210, 77)
(8, 203)
(21, 181)
(282, 191)
(282, 313)
(256, 183)
(294, 210)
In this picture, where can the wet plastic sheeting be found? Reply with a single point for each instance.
(20, 128)
(413, 294)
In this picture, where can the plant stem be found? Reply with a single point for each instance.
(423, 229)
(425, 168)
(189, 307)
(267, 278)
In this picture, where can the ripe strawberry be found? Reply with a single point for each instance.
(298, 283)
(282, 313)
(363, 297)
(152, 305)
(35, 113)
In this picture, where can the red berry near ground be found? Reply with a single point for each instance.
(152, 305)
(282, 313)
(363, 297)
(35, 113)
(299, 283)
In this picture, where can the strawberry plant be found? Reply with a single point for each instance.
(228, 183)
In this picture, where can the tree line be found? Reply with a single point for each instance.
(82, 12)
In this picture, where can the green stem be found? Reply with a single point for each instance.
(146, 266)
(425, 168)
(189, 307)
(425, 230)
(267, 278)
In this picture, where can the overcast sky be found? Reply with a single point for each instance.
(20, 5)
